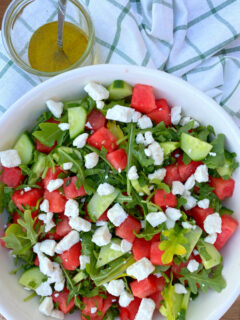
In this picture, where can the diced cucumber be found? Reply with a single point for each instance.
(76, 118)
(193, 236)
(169, 147)
(119, 89)
(209, 254)
(32, 278)
(24, 147)
(225, 170)
(140, 189)
(38, 168)
(195, 148)
(98, 204)
(79, 277)
(107, 254)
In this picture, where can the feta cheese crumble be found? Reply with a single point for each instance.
(204, 204)
(189, 184)
(56, 108)
(54, 184)
(158, 174)
(80, 141)
(47, 220)
(104, 189)
(102, 236)
(96, 91)
(117, 214)
(48, 247)
(91, 160)
(115, 287)
(191, 202)
(140, 269)
(144, 122)
(173, 213)
(10, 158)
(67, 242)
(120, 113)
(125, 246)
(83, 259)
(180, 289)
(67, 166)
(155, 151)
(177, 188)
(156, 218)
(213, 223)
(46, 306)
(201, 173)
(125, 299)
(100, 104)
(211, 238)
(192, 265)
(44, 206)
(44, 289)
(64, 126)
(80, 224)
(176, 115)
(132, 173)
(71, 208)
(145, 310)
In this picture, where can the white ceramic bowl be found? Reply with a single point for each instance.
(23, 113)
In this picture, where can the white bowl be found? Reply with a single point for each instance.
(23, 113)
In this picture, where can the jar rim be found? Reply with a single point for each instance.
(10, 15)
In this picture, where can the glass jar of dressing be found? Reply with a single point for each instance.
(29, 31)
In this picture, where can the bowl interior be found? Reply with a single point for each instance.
(210, 306)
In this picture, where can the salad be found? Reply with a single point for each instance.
(115, 206)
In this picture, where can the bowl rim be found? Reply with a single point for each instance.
(136, 70)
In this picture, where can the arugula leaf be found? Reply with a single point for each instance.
(163, 134)
(131, 141)
(173, 244)
(149, 232)
(161, 185)
(206, 191)
(49, 133)
(186, 159)
(204, 278)
(87, 244)
(188, 126)
(32, 231)
(204, 132)
(218, 160)
(141, 157)
(43, 118)
(87, 103)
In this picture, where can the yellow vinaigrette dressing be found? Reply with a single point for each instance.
(43, 47)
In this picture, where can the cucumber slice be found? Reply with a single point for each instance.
(225, 170)
(24, 147)
(76, 118)
(140, 189)
(107, 254)
(169, 147)
(98, 204)
(38, 168)
(79, 276)
(195, 148)
(119, 89)
(209, 254)
(193, 236)
(32, 278)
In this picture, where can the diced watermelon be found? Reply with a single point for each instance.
(156, 237)
(156, 254)
(2, 242)
(15, 217)
(70, 190)
(21, 198)
(124, 314)
(186, 170)
(92, 302)
(63, 227)
(222, 188)
(61, 299)
(70, 258)
(159, 282)
(141, 248)
(125, 230)
(36, 261)
(103, 217)
(103, 138)
(157, 298)
(172, 174)
(42, 148)
(143, 99)
(163, 199)
(176, 268)
(107, 303)
(12, 177)
(200, 215)
(118, 159)
(96, 120)
(143, 288)
(131, 309)
(56, 201)
(229, 226)
(50, 175)
(162, 113)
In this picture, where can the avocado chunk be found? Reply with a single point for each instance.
(107, 254)
(195, 148)
(119, 89)
(32, 278)
(209, 254)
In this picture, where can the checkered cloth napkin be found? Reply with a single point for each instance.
(198, 40)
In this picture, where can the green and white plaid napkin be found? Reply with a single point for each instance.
(197, 40)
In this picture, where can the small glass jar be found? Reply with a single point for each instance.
(23, 17)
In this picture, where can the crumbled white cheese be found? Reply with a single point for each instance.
(64, 126)
(54, 184)
(173, 213)
(93, 310)
(186, 120)
(213, 223)
(83, 261)
(204, 204)
(140, 139)
(117, 214)
(46, 306)
(48, 220)
(158, 174)
(115, 247)
(156, 218)
(67, 166)
(191, 202)
(44, 289)
(27, 189)
(155, 151)
(144, 122)
(201, 173)
(211, 238)
(67, 242)
(55, 107)
(80, 141)
(101, 223)
(148, 138)
(195, 252)
(100, 104)
(176, 115)
(212, 154)
(187, 225)
(189, 184)
(145, 310)
(170, 223)
(120, 113)
(132, 173)
(104, 189)
(102, 236)
(71, 208)
(125, 299)
(91, 160)
(80, 224)
(96, 91)
(10, 158)
(48, 247)
(140, 269)
(115, 287)
(126, 246)
(192, 265)
(57, 314)
(136, 116)
(180, 289)
(88, 125)
(44, 206)
(177, 188)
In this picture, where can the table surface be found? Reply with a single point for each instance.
(234, 312)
